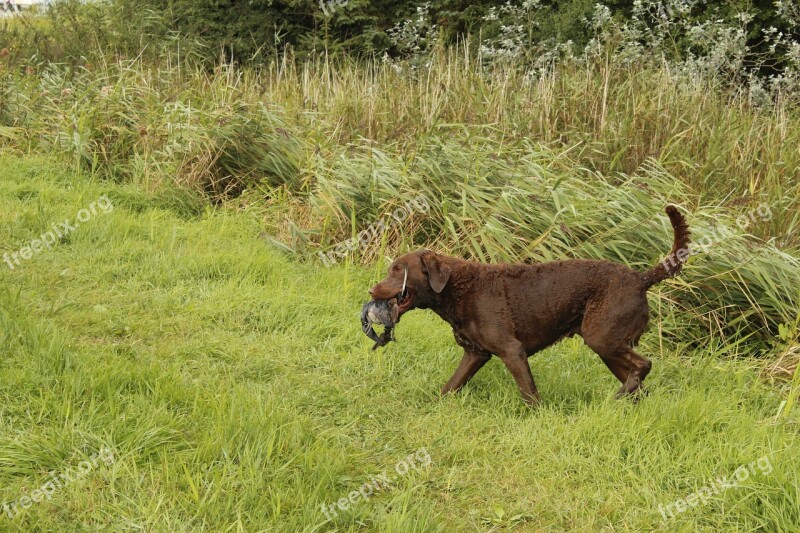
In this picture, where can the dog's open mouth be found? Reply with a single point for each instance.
(404, 301)
(404, 298)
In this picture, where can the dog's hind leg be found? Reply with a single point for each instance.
(638, 367)
(470, 364)
(619, 371)
(629, 367)
(610, 331)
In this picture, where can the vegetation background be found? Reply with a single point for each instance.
(196, 332)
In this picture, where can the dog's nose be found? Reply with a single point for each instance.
(372, 291)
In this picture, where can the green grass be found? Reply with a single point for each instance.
(237, 392)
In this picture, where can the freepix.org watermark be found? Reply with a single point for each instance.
(58, 481)
(378, 483)
(57, 232)
(419, 204)
(721, 484)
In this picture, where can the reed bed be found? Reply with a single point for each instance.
(575, 161)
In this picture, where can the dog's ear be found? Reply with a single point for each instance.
(438, 272)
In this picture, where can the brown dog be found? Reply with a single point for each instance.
(515, 310)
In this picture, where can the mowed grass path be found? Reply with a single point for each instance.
(237, 393)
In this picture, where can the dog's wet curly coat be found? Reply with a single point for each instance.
(514, 310)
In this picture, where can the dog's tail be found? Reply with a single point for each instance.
(672, 264)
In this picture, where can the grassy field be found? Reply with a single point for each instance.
(178, 358)
(227, 386)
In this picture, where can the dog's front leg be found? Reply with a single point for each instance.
(516, 361)
(470, 364)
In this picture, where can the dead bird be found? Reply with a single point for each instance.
(386, 312)
(383, 312)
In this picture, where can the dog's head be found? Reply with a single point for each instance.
(414, 279)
